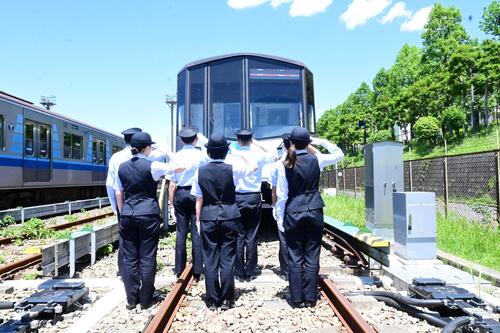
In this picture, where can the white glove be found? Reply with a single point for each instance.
(202, 139)
(198, 227)
(171, 212)
(280, 226)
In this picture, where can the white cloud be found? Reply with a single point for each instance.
(308, 7)
(417, 21)
(242, 4)
(297, 7)
(398, 10)
(360, 11)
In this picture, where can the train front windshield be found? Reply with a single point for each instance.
(275, 96)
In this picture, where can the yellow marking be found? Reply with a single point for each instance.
(32, 250)
(372, 240)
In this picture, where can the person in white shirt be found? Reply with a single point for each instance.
(299, 212)
(182, 203)
(249, 201)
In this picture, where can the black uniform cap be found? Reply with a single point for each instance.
(141, 140)
(244, 134)
(300, 134)
(217, 141)
(188, 133)
(127, 134)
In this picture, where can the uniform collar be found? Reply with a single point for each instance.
(244, 148)
(301, 151)
(188, 146)
(140, 155)
(217, 160)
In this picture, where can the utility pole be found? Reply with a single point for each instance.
(171, 101)
(48, 101)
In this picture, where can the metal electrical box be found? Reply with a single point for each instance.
(383, 176)
(415, 225)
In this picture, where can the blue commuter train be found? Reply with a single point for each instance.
(46, 157)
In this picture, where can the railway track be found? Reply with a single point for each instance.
(7, 270)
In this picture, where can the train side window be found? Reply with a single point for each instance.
(115, 149)
(181, 95)
(102, 152)
(2, 146)
(196, 97)
(94, 151)
(311, 125)
(67, 145)
(43, 145)
(77, 147)
(29, 135)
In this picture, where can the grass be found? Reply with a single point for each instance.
(455, 235)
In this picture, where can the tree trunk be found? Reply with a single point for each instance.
(473, 115)
(486, 110)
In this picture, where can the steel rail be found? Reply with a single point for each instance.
(346, 247)
(163, 319)
(344, 310)
(62, 226)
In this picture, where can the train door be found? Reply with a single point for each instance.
(37, 153)
(98, 160)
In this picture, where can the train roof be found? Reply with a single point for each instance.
(31, 105)
(242, 54)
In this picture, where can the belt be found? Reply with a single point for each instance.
(184, 187)
(247, 192)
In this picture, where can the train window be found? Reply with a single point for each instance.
(76, 151)
(43, 145)
(67, 145)
(275, 94)
(196, 97)
(29, 136)
(102, 152)
(94, 151)
(73, 146)
(181, 95)
(2, 145)
(311, 125)
(115, 149)
(226, 86)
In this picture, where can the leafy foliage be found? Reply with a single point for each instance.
(6, 221)
(452, 78)
(383, 135)
(427, 129)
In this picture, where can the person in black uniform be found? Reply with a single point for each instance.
(137, 203)
(217, 219)
(299, 212)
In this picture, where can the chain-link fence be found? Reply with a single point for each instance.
(467, 185)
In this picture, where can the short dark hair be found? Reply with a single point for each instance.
(218, 154)
(244, 141)
(300, 144)
(188, 141)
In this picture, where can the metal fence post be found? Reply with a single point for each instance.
(343, 176)
(69, 208)
(100, 203)
(497, 162)
(22, 213)
(355, 183)
(411, 176)
(445, 166)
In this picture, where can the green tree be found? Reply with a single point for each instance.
(427, 129)
(490, 22)
(453, 119)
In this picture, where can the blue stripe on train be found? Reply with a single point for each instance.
(30, 162)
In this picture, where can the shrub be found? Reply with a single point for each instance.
(427, 129)
(453, 118)
(6, 221)
(379, 136)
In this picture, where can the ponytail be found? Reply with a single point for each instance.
(134, 151)
(291, 157)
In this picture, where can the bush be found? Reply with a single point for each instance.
(379, 136)
(453, 118)
(427, 129)
(6, 221)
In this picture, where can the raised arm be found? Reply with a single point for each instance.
(335, 153)
(159, 169)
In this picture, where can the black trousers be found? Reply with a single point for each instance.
(283, 254)
(250, 205)
(139, 235)
(219, 253)
(303, 233)
(184, 204)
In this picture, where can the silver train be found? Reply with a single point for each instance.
(46, 157)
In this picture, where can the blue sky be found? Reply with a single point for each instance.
(110, 63)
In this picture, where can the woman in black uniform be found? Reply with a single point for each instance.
(139, 214)
(299, 212)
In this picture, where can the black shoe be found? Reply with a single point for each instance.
(298, 305)
(211, 305)
(226, 305)
(178, 275)
(310, 304)
(197, 277)
(131, 306)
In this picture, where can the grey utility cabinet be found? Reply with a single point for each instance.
(383, 176)
(415, 225)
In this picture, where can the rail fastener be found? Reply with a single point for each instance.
(344, 310)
